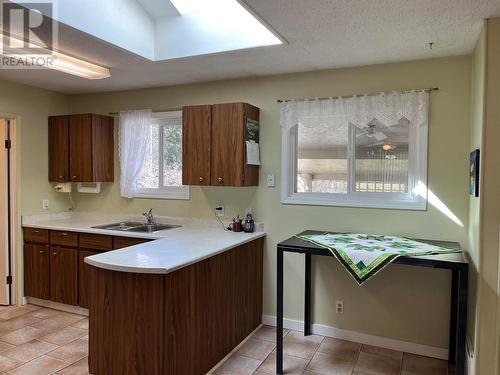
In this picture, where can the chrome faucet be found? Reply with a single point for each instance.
(150, 217)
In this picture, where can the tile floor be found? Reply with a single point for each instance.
(37, 340)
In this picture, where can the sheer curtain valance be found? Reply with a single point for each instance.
(384, 109)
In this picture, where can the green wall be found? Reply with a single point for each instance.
(405, 303)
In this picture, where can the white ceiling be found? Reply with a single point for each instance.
(158, 8)
(322, 34)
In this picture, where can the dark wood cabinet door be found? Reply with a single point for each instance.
(227, 140)
(64, 275)
(196, 123)
(80, 148)
(103, 148)
(36, 271)
(83, 277)
(58, 149)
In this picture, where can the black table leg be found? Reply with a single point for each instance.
(452, 343)
(279, 314)
(463, 280)
(307, 296)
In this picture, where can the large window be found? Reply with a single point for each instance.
(161, 172)
(361, 152)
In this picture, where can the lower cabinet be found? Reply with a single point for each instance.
(36, 271)
(83, 277)
(64, 275)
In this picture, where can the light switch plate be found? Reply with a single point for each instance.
(45, 204)
(271, 181)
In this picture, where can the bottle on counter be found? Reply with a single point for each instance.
(248, 225)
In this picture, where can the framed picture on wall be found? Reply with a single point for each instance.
(474, 173)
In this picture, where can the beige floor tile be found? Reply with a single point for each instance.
(331, 364)
(40, 366)
(368, 363)
(67, 318)
(82, 324)
(44, 313)
(4, 346)
(22, 335)
(258, 349)
(49, 325)
(29, 351)
(341, 348)
(78, 368)
(17, 311)
(291, 365)
(298, 345)
(394, 354)
(238, 365)
(71, 352)
(7, 363)
(64, 336)
(267, 333)
(7, 326)
(416, 364)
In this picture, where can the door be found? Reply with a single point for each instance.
(80, 148)
(227, 144)
(196, 145)
(5, 213)
(36, 271)
(83, 277)
(58, 149)
(64, 275)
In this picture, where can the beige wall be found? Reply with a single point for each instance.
(476, 138)
(405, 303)
(488, 305)
(31, 106)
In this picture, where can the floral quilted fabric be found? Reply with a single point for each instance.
(363, 255)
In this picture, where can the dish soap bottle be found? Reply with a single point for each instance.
(248, 224)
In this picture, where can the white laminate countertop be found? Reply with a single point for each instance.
(195, 240)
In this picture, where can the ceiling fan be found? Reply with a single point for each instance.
(371, 132)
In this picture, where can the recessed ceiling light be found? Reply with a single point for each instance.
(61, 62)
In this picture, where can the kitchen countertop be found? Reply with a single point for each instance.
(195, 240)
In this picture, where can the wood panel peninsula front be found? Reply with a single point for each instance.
(167, 308)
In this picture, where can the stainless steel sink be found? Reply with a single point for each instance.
(131, 226)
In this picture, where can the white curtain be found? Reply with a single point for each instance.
(387, 109)
(133, 135)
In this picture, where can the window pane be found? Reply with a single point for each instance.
(149, 178)
(172, 155)
(322, 156)
(382, 158)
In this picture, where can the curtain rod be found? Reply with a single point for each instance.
(352, 96)
(164, 110)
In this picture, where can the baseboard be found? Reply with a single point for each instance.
(363, 338)
(56, 306)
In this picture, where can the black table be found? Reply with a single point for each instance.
(456, 262)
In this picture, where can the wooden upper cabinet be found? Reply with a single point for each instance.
(214, 148)
(58, 149)
(85, 144)
(196, 122)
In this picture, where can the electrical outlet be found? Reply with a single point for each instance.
(219, 211)
(45, 204)
(271, 182)
(339, 306)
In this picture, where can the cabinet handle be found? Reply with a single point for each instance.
(64, 234)
(61, 177)
(36, 231)
(41, 251)
(74, 177)
(201, 179)
(54, 253)
(220, 179)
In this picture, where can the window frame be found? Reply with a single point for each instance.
(417, 177)
(165, 192)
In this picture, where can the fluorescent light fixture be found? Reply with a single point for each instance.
(60, 61)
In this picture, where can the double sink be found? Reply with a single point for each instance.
(131, 226)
